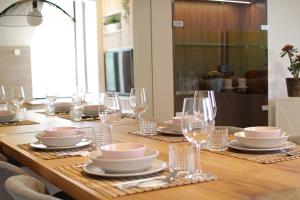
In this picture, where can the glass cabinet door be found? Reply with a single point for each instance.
(222, 46)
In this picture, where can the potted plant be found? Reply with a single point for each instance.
(112, 23)
(292, 84)
(214, 80)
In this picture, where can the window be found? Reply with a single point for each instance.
(65, 57)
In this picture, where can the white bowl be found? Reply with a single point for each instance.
(63, 107)
(126, 165)
(261, 142)
(7, 116)
(262, 131)
(91, 110)
(60, 131)
(60, 141)
(123, 150)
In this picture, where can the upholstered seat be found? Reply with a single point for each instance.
(23, 187)
(3, 158)
(7, 170)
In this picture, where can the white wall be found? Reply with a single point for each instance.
(142, 47)
(162, 56)
(284, 28)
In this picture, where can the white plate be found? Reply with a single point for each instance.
(168, 131)
(156, 166)
(83, 143)
(236, 145)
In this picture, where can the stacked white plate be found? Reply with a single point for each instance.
(7, 116)
(261, 139)
(61, 138)
(124, 160)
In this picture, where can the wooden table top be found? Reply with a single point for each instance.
(239, 179)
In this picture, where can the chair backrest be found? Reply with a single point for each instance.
(23, 187)
(3, 158)
(7, 170)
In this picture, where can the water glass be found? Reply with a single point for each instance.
(181, 157)
(148, 127)
(100, 136)
(76, 113)
(218, 140)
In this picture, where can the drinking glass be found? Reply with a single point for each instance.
(17, 96)
(195, 113)
(109, 110)
(181, 157)
(138, 102)
(51, 96)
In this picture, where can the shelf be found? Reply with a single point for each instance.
(191, 92)
(219, 45)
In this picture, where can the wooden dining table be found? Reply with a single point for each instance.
(238, 179)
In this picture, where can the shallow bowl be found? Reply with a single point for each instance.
(262, 131)
(261, 142)
(123, 150)
(126, 165)
(60, 131)
(60, 141)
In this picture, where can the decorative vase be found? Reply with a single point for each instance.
(293, 87)
(110, 28)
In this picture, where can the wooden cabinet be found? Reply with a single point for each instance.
(235, 109)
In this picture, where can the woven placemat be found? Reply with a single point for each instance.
(53, 154)
(161, 137)
(263, 158)
(104, 186)
(18, 123)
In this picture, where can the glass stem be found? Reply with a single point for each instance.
(139, 119)
(198, 167)
(109, 133)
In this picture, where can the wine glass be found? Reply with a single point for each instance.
(138, 102)
(194, 126)
(210, 94)
(109, 110)
(17, 96)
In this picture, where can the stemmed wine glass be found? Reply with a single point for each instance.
(138, 102)
(17, 96)
(195, 115)
(210, 94)
(109, 110)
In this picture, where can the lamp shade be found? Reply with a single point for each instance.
(35, 18)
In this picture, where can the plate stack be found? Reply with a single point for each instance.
(261, 138)
(124, 160)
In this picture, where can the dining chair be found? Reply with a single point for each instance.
(23, 187)
(3, 158)
(7, 170)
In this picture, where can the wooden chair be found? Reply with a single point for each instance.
(23, 187)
